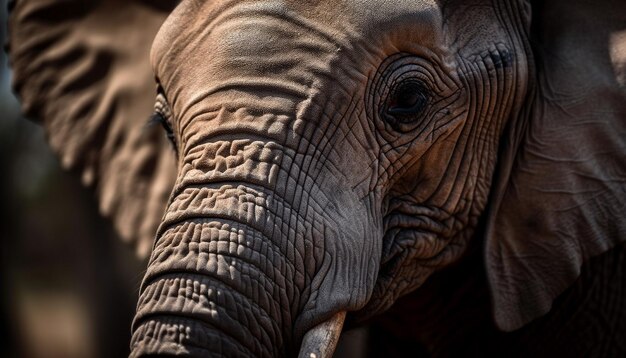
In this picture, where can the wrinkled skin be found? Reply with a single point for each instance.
(331, 156)
(289, 152)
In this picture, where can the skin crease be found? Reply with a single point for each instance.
(244, 113)
(450, 156)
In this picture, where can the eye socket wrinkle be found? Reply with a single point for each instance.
(405, 93)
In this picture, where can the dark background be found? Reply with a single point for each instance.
(68, 286)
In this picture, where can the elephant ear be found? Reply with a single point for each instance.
(560, 194)
(81, 69)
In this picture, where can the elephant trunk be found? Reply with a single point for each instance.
(236, 261)
(218, 278)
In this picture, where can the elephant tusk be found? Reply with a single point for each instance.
(321, 340)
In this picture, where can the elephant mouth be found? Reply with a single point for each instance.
(412, 251)
(388, 288)
(415, 232)
(410, 246)
(415, 242)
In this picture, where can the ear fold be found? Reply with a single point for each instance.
(82, 69)
(561, 192)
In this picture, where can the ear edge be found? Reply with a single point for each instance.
(71, 75)
(552, 231)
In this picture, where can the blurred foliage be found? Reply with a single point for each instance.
(68, 287)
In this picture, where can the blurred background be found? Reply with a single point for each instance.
(68, 286)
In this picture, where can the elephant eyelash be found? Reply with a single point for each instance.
(162, 114)
(159, 118)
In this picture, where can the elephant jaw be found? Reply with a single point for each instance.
(321, 340)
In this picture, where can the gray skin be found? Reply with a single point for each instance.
(330, 156)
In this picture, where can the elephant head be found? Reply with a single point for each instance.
(329, 156)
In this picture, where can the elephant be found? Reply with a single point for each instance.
(323, 160)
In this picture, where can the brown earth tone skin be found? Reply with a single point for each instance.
(331, 156)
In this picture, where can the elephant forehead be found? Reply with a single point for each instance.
(265, 44)
(270, 37)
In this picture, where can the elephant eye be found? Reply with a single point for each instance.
(157, 117)
(407, 101)
(162, 115)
